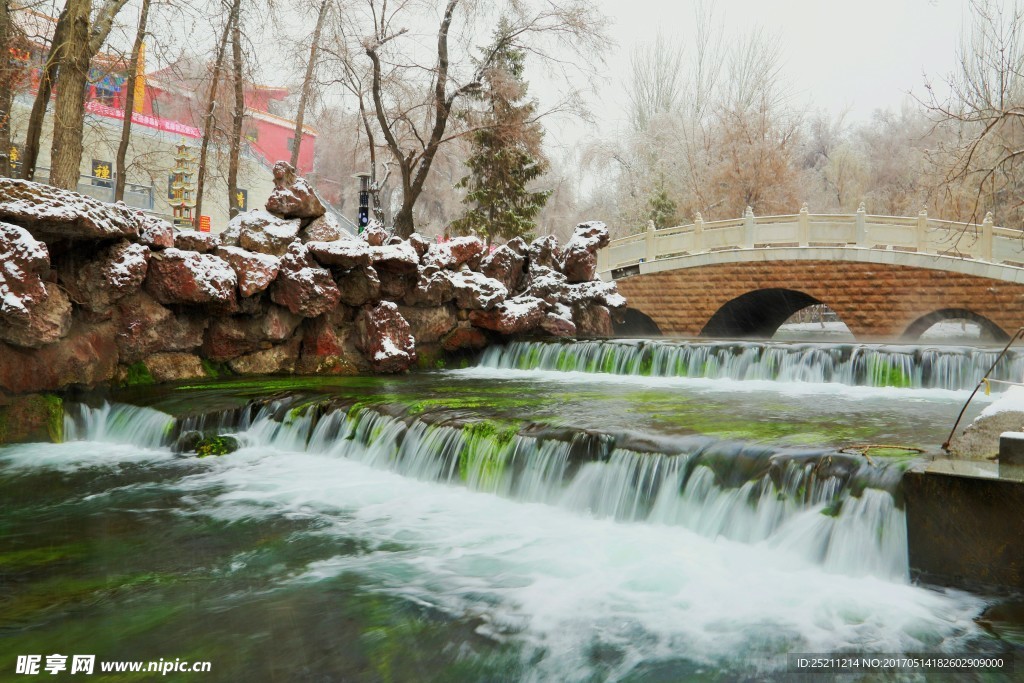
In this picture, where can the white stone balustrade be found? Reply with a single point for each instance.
(753, 237)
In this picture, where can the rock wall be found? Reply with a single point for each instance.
(93, 292)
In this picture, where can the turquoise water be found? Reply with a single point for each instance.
(480, 524)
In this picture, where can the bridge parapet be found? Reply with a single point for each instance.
(919, 234)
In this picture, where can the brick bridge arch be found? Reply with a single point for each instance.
(875, 300)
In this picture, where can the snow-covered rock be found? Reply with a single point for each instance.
(23, 260)
(185, 277)
(194, 240)
(254, 271)
(579, 257)
(52, 213)
(359, 286)
(506, 265)
(476, 291)
(544, 251)
(454, 253)
(146, 327)
(400, 258)
(384, 336)
(293, 197)
(154, 232)
(302, 286)
(323, 229)
(343, 253)
(105, 277)
(261, 232)
(518, 315)
(49, 321)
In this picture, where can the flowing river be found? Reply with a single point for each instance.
(621, 510)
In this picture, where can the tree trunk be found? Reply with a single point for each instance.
(47, 77)
(234, 206)
(307, 82)
(6, 88)
(129, 102)
(83, 40)
(68, 110)
(208, 120)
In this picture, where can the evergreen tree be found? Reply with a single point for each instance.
(663, 209)
(506, 155)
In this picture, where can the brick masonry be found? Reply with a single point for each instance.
(875, 301)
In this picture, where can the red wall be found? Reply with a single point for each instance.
(272, 143)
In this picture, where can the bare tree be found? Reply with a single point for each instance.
(985, 108)
(238, 113)
(47, 77)
(129, 102)
(211, 106)
(657, 81)
(8, 75)
(413, 113)
(307, 82)
(85, 36)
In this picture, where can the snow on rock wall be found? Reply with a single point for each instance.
(93, 292)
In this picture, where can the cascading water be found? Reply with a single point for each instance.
(771, 497)
(919, 367)
(531, 526)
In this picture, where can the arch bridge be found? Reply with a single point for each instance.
(884, 276)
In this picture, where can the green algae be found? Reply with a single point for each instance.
(486, 450)
(137, 374)
(884, 372)
(216, 445)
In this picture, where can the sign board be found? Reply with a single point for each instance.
(204, 224)
(242, 198)
(102, 173)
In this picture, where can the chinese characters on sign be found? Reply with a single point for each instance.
(204, 224)
(101, 173)
(242, 199)
(55, 663)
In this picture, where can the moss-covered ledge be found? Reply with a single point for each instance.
(31, 417)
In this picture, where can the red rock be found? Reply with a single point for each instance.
(579, 258)
(547, 284)
(557, 326)
(359, 286)
(23, 262)
(464, 337)
(429, 325)
(544, 251)
(292, 196)
(420, 243)
(514, 316)
(185, 277)
(592, 321)
(384, 337)
(433, 288)
(193, 240)
(375, 235)
(302, 287)
(343, 253)
(145, 327)
(254, 271)
(280, 359)
(323, 229)
(505, 265)
(476, 291)
(49, 321)
(595, 291)
(154, 232)
(50, 213)
(261, 232)
(454, 253)
(395, 285)
(399, 258)
(104, 277)
(231, 337)
(86, 356)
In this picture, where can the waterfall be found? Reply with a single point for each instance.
(919, 367)
(835, 509)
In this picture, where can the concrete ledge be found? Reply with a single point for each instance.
(965, 526)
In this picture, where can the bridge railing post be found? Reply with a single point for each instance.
(698, 233)
(922, 231)
(804, 232)
(650, 243)
(862, 228)
(985, 246)
(748, 228)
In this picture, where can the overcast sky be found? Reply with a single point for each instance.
(862, 54)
